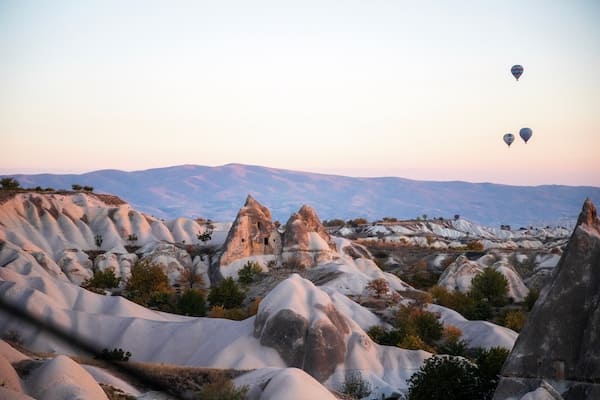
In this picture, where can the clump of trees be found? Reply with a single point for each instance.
(114, 355)
(9, 184)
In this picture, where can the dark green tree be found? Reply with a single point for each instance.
(490, 363)
(9, 183)
(227, 294)
(445, 378)
(490, 285)
(192, 303)
(249, 272)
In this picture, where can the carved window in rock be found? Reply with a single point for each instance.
(266, 240)
(559, 369)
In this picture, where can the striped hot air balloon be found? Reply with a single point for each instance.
(517, 71)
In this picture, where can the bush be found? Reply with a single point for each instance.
(249, 272)
(475, 245)
(514, 319)
(445, 378)
(192, 303)
(414, 342)
(354, 385)
(459, 302)
(378, 286)
(146, 283)
(223, 390)
(490, 285)
(489, 362)
(391, 337)
(227, 294)
(114, 355)
(102, 280)
(428, 327)
(9, 183)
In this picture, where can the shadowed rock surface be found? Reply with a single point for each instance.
(560, 342)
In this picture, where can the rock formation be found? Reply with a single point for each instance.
(305, 241)
(560, 342)
(252, 233)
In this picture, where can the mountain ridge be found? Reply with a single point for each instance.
(213, 192)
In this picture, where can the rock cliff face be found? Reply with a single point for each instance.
(253, 233)
(304, 242)
(560, 342)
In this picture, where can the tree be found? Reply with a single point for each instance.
(490, 285)
(102, 280)
(249, 272)
(531, 298)
(354, 385)
(76, 187)
(445, 378)
(146, 281)
(489, 362)
(98, 240)
(227, 294)
(428, 327)
(205, 236)
(192, 303)
(9, 183)
(378, 286)
(190, 277)
(88, 188)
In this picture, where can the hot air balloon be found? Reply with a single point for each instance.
(509, 138)
(525, 134)
(517, 71)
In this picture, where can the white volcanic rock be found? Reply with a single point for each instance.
(476, 333)
(76, 265)
(62, 378)
(305, 241)
(171, 258)
(120, 263)
(282, 383)
(459, 274)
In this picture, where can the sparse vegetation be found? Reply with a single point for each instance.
(205, 236)
(531, 298)
(354, 385)
(223, 390)
(439, 377)
(114, 355)
(98, 239)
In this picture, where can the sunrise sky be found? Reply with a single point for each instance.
(417, 89)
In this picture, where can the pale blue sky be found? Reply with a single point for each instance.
(419, 89)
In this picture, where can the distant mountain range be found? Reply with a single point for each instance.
(218, 193)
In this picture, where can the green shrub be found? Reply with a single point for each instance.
(490, 285)
(489, 362)
(227, 294)
(102, 280)
(428, 326)
(192, 303)
(249, 272)
(387, 337)
(445, 378)
(9, 184)
(513, 319)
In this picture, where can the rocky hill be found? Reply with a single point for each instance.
(309, 330)
(217, 192)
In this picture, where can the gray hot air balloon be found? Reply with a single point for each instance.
(509, 138)
(517, 71)
(525, 134)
